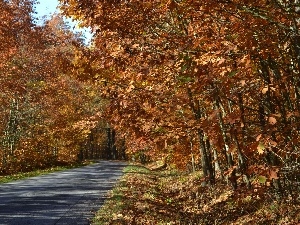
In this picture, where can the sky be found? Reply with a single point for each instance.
(48, 7)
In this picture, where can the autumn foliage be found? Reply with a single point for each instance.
(214, 83)
(48, 117)
(210, 85)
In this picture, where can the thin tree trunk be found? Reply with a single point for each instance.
(232, 174)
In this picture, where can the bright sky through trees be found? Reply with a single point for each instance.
(48, 7)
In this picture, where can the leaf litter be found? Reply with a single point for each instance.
(165, 197)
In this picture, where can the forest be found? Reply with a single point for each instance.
(49, 117)
(203, 85)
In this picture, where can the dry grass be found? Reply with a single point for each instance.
(147, 197)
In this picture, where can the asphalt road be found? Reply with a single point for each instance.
(70, 197)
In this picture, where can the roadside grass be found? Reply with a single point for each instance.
(25, 175)
(167, 197)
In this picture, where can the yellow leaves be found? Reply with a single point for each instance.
(135, 46)
(264, 90)
(147, 127)
(147, 106)
(116, 50)
(268, 88)
(144, 83)
(36, 84)
(130, 88)
(243, 83)
(245, 61)
(261, 148)
(221, 61)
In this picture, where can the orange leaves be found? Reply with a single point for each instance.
(273, 174)
(203, 73)
(233, 117)
(53, 113)
(293, 114)
(272, 120)
(243, 83)
(268, 88)
(130, 87)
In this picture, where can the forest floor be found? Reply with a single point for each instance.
(144, 196)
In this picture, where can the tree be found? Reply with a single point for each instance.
(181, 74)
(47, 114)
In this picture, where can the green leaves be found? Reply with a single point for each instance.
(262, 179)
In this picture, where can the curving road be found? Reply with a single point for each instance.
(70, 197)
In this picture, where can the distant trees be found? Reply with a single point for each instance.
(47, 114)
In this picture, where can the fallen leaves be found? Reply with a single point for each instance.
(272, 120)
(261, 148)
(179, 197)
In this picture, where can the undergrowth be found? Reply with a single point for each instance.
(38, 172)
(146, 197)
